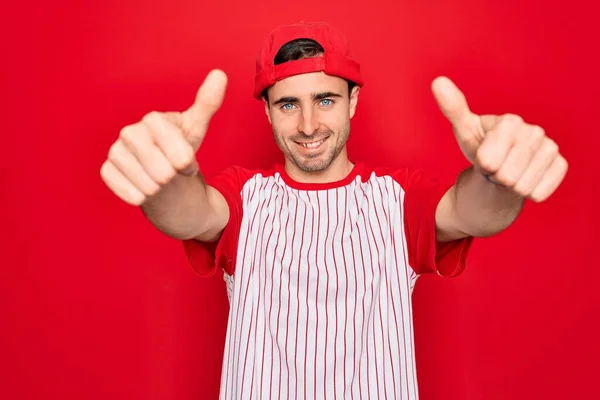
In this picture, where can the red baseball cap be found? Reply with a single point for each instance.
(336, 60)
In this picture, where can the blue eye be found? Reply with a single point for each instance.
(326, 102)
(285, 106)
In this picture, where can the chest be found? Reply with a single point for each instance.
(352, 229)
(321, 218)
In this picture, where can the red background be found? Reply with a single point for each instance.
(95, 303)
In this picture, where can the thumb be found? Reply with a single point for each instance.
(209, 98)
(453, 105)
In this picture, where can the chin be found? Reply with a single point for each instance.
(316, 164)
(313, 167)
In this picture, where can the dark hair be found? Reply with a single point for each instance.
(296, 50)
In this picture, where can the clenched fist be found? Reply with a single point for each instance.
(504, 148)
(149, 154)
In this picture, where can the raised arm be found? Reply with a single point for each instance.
(153, 165)
(511, 161)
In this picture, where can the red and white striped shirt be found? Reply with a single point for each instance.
(319, 280)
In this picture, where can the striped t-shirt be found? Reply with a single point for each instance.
(319, 280)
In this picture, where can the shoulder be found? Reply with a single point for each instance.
(408, 177)
(238, 175)
(399, 174)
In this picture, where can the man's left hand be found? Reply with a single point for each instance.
(504, 148)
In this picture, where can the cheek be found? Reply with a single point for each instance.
(284, 126)
(335, 121)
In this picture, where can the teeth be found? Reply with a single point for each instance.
(313, 144)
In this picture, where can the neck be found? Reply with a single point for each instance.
(339, 168)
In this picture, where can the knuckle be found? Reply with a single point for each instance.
(179, 165)
(551, 147)
(522, 189)
(536, 136)
(104, 171)
(136, 199)
(564, 165)
(505, 178)
(537, 196)
(114, 153)
(133, 195)
(513, 118)
(486, 162)
(537, 132)
(127, 134)
(164, 175)
(179, 153)
(161, 179)
(149, 187)
(185, 158)
(151, 116)
(151, 190)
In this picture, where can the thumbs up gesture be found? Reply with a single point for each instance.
(151, 153)
(503, 148)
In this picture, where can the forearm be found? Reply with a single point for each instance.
(182, 209)
(483, 208)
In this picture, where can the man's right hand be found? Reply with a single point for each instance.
(151, 153)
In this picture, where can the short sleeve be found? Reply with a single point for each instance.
(422, 194)
(207, 257)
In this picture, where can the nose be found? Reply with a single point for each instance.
(308, 122)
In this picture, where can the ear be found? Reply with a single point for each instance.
(267, 109)
(354, 100)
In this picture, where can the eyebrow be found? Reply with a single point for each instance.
(314, 96)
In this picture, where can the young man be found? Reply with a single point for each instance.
(320, 254)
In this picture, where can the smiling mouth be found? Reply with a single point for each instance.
(311, 145)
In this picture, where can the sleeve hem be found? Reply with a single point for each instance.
(445, 259)
(205, 258)
(200, 256)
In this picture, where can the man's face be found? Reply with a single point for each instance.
(310, 115)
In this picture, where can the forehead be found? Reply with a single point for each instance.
(305, 85)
